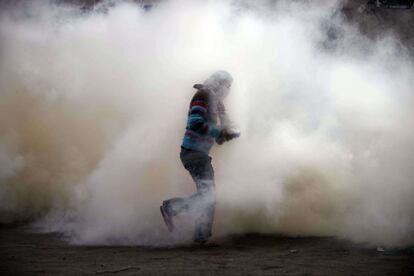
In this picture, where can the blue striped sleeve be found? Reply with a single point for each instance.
(197, 116)
(214, 132)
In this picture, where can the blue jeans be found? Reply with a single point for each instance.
(202, 203)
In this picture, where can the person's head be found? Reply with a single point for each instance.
(219, 83)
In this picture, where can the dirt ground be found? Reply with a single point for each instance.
(24, 252)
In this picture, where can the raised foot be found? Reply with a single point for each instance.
(167, 219)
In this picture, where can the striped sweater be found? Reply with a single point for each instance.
(202, 130)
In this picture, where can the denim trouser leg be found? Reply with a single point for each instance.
(203, 201)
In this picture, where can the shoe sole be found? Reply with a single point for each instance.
(200, 242)
(167, 219)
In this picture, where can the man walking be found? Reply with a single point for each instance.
(206, 109)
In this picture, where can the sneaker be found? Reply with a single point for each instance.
(167, 218)
(200, 240)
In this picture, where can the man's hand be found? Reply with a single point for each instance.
(227, 134)
(231, 133)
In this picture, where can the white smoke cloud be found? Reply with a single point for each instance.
(93, 107)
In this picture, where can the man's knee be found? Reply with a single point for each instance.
(205, 186)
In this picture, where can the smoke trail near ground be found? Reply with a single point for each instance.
(93, 107)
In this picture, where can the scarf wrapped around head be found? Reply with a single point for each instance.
(219, 84)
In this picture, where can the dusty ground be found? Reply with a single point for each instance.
(23, 252)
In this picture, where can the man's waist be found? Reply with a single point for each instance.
(199, 137)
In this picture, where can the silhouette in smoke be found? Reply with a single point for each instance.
(202, 130)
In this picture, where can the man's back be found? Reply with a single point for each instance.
(201, 129)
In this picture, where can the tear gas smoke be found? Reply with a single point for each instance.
(93, 108)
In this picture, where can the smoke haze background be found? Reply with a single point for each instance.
(93, 107)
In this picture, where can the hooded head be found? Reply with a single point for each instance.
(219, 83)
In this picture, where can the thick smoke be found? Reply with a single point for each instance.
(93, 107)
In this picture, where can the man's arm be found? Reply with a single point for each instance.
(197, 118)
(224, 118)
(228, 130)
